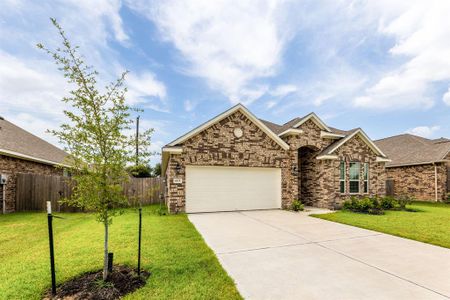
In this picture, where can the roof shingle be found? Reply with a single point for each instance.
(408, 149)
(18, 140)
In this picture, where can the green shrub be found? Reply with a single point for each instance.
(364, 205)
(297, 206)
(388, 202)
(376, 205)
(447, 200)
(404, 200)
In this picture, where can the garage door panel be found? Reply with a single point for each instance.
(232, 188)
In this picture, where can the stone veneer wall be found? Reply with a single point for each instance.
(419, 181)
(217, 146)
(11, 166)
(325, 186)
(311, 138)
(356, 150)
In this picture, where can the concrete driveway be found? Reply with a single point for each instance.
(277, 254)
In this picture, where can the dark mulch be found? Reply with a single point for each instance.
(121, 281)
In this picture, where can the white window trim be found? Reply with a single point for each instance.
(342, 162)
(359, 178)
(366, 166)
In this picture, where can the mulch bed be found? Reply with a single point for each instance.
(121, 281)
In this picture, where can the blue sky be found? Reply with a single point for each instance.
(380, 65)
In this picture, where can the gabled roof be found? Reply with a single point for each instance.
(408, 149)
(350, 134)
(17, 142)
(313, 117)
(246, 112)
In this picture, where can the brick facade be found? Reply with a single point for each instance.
(12, 166)
(322, 176)
(217, 146)
(356, 150)
(419, 181)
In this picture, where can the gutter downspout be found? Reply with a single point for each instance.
(435, 183)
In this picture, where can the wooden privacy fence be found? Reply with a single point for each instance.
(33, 191)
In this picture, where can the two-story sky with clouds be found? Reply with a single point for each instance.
(383, 65)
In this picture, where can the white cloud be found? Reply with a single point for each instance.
(189, 105)
(271, 104)
(229, 43)
(31, 85)
(421, 30)
(142, 86)
(446, 97)
(283, 90)
(30, 94)
(424, 131)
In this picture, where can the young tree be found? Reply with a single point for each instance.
(96, 137)
(157, 170)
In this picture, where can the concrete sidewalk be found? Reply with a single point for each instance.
(279, 254)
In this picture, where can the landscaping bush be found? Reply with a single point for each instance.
(404, 200)
(297, 206)
(447, 200)
(388, 202)
(364, 205)
(377, 205)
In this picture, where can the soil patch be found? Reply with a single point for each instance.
(121, 281)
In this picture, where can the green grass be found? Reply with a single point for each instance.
(182, 265)
(431, 224)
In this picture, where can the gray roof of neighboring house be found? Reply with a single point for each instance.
(408, 149)
(26, 145)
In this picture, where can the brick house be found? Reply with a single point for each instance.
(419, 167)
(23, 152)
(236, 161)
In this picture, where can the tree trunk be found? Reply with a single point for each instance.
(105, 259)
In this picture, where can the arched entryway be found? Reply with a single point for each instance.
(307, 174)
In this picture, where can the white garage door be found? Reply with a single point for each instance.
(211, 189)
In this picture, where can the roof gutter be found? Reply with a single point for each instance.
(32, 158)
(418, 164)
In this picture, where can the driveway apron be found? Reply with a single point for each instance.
(275, 254)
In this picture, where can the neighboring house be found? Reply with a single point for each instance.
(236, 161)
(419, 167)
(22, 152)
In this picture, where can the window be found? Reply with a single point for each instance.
(354, 177)
(342, 177)
(366, 178)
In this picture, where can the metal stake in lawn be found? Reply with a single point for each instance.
(139, 242)
(50, 239)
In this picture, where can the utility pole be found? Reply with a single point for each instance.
(137, 140)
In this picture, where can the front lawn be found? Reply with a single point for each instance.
(430, 225)
(182, 265)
